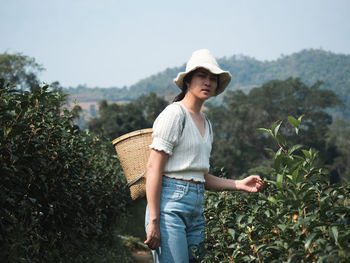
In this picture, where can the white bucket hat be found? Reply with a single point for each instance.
(202, 58)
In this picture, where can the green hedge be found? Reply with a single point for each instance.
(61, 191)
(299, 217)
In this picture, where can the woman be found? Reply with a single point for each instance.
(177, 170)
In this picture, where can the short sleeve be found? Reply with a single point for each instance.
(167, 129)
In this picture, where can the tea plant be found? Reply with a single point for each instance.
(299, 217)
(61, 192)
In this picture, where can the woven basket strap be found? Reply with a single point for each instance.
(136, 179)
(210, 127)
(184, 121)
(184, 113)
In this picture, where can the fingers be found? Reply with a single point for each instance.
(256, 177)
(153, 236)
(152, 242)
(252, 184)
(258, 184)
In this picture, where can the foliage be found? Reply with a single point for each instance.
(84, 93)
(20, 70)
(239, 146)
(338, 138)
(151, 106)
(299, 217)
(61, 192)
(115, 119)
(135, 220)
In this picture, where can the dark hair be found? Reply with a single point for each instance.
(185, 80)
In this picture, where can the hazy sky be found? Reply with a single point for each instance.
(115, 43)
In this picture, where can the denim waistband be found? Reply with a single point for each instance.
(173, 182)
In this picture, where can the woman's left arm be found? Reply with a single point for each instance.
(251, 184)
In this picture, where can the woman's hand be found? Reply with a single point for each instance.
(251, 184)
(153, 235)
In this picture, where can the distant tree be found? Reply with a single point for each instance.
(115, 119)
(338, 138)
(239, 146)
(76, 111)
(20, 70)
(93, 111)
(151, 106)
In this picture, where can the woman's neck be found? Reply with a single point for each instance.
(192, 104)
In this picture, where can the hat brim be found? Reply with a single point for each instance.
(224, 77)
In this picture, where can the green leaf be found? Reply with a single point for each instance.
(295, 174)
(306, 153)
(277, 162)
(239, 218)
(269, 150)
(265, 130)
(277, 128)
(272, 199)
(334, 231)
(294, 121)
(289, 176)
(281, 139)
(282, 227)
(309, 240)
(279, 180)
(274, 124)
(279, 151)
(232, 232)
(295, 148)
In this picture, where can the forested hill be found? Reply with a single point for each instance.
(310, 65)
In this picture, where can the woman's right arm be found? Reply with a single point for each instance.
(155, 168)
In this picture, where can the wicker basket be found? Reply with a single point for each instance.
(133, 152)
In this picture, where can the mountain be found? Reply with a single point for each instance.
(309, 65)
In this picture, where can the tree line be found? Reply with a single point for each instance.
(310, 66)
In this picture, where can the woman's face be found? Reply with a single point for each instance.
(203, 84)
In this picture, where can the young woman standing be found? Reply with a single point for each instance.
(178, 166)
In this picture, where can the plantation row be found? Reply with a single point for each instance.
(62, 193)
(299, 217)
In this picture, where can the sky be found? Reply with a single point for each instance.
(114, 43)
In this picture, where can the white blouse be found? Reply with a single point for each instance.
(188, 151)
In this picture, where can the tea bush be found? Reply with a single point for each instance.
(61, 192)
(299, 217)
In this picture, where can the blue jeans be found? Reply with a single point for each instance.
(181, 222)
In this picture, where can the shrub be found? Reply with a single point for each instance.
(61, 192)
(299, 217)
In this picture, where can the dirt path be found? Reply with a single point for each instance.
(142, 258)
